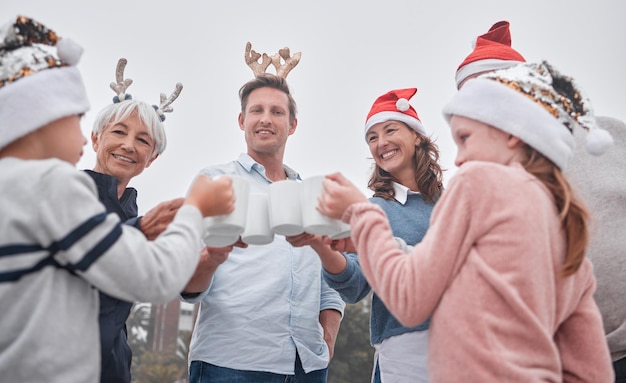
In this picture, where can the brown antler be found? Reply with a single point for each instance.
(252, 59)
(282, 70)
(122, 84)
(165, 105)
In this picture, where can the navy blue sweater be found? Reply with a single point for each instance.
(115, 351)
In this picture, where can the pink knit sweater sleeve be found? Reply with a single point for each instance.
(412, 285)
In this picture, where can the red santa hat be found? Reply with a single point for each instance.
(394, 105)
(492, 51)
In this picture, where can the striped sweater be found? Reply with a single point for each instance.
(58, 247)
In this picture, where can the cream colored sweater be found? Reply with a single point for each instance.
(487, 272)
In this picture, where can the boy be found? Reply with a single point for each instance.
(56, 240)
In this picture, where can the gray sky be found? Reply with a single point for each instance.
(352, 52)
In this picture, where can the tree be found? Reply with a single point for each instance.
(159, 367)
(166, 366)
(352, 361)
(354, 355)
(137, 325)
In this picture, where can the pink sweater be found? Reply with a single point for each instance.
(487, 273)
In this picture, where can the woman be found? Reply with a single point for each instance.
(127, 137)
(407, 181)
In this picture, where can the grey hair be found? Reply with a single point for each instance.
(118, 112)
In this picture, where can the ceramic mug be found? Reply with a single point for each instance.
(218, 240)
(234, 223)
(313, 221)
(344, 231)
(285, 213)
(258, 230)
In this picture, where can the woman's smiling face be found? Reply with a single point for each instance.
(392, 145)
(124, 150)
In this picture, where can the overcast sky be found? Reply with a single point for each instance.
(352, 52)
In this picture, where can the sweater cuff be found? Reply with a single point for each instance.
(358, 208)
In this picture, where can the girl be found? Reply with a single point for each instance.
(501, 270)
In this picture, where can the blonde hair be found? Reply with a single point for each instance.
(572, 211)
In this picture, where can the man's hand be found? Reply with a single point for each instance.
(210, 259)
(304, 239)
(330, 321)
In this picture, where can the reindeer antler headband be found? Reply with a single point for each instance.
(122, 84)
(282, 70)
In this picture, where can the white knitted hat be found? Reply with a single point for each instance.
(535, 103)
(39, 82)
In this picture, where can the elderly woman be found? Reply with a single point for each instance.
(127, 137)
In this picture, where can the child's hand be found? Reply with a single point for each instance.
(338, 195)
(212, 196)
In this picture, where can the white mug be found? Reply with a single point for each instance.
(313, 221)
(234, 223)
(285, 214)
(344, 231)
(258, 230)
(218, 240)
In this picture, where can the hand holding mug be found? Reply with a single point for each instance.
(211, 197)
(338, 194)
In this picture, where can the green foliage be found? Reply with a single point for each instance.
(155, 366)
(354, 355)
(159, 367)
(352, 361)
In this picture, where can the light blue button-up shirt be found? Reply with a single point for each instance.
(264, 301)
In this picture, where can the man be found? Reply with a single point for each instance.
(265, 313)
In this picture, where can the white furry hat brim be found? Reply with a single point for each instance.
(36, 100)
(502, 107)
(411, 122)
(481, 66)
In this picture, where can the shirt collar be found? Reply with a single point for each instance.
(402, 192)
(250, 164)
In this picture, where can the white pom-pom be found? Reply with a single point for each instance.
(69, 52)
(598, 141)
(402, 104)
